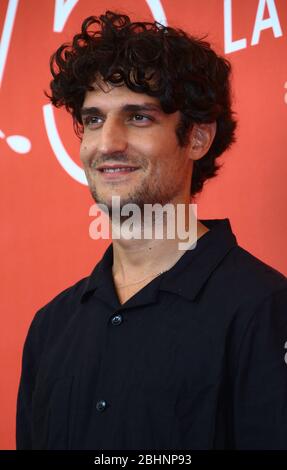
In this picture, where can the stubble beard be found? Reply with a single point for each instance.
(145, 193)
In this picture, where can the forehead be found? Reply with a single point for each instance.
(107, 96)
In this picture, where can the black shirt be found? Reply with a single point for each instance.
(194, 360)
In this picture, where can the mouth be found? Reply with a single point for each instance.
(116, 172)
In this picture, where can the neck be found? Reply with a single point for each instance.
(140, 258)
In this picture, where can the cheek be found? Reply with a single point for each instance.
(158, 149)
(85, 151)
(167, 146)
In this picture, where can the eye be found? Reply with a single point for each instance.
(92, 121)
(141, 118)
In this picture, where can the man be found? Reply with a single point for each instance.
(159, 348)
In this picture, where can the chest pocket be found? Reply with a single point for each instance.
(51, 411)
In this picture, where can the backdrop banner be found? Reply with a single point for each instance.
(45, 202)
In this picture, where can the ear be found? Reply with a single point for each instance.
(202, 136)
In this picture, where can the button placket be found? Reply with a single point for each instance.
(116, 319)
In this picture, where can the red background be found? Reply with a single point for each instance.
(45, 243)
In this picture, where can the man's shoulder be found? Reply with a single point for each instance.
(61, 307)
(253, 271)
(256, 294)
(248, 279)
(70, 294)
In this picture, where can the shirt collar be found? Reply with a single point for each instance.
(192, 271)
(188, 276)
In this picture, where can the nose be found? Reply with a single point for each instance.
(112, 137)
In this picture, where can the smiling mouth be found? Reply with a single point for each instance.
(118, 170)
(117, 173)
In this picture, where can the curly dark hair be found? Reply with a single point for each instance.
(182, 71)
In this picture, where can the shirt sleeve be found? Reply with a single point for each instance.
(30, 359)
(260, 393)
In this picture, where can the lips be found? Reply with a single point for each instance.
(116, 173)
(117, 169)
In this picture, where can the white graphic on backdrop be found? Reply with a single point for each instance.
(66, 162)
(17, 143)
(157, 11)
(63, 9)
(62, 12)
(6, 34)
(260, 24)
(230, 45)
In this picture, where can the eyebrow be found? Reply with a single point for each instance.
(127, 108)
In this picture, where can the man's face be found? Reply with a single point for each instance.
(128, 128)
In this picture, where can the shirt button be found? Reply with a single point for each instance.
(117, 319)
(101, 405)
